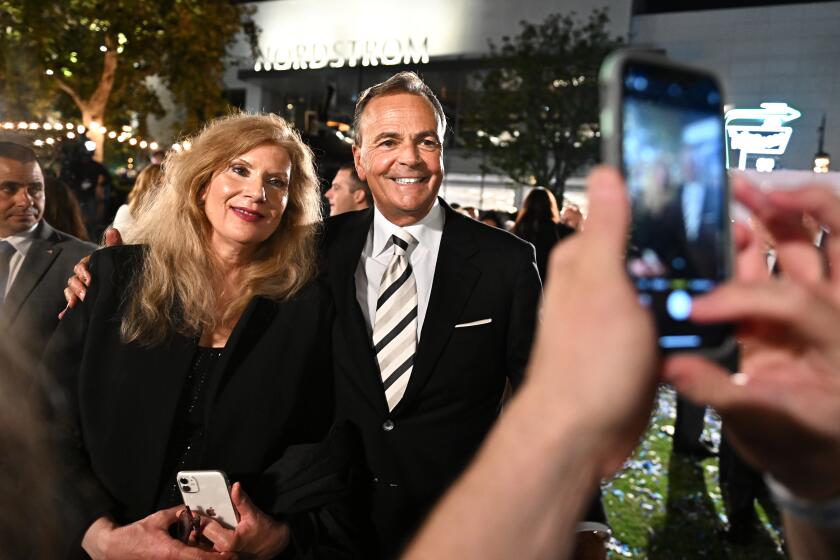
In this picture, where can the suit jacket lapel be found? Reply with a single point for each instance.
(453, 283)
(344, 255)
(41, 255)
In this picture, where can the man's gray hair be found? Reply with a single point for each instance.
(402, 82)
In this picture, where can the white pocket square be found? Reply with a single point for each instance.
(474, 323)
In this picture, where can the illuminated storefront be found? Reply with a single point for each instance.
(317, 55)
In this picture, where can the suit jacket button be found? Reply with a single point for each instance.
(388, 425)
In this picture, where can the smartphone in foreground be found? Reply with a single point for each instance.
(208, 493)
(662, 126)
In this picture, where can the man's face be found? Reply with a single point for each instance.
(341, 195)
(401, 156)
(21, 196)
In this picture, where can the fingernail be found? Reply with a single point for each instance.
(82, 295)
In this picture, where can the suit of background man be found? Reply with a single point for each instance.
(477, 291)
(348, 193)
(35, 259)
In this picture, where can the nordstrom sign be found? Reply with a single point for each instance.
(351, 53)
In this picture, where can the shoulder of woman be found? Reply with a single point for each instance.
(117, 265)
(119, 255)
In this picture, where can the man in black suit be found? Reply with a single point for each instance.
(470, 314)
(35, 259)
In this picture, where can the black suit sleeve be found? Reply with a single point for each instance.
(523, 317)
(86, 499)
(315, 486)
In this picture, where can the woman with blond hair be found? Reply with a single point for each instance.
(147, 182)
(204, 345)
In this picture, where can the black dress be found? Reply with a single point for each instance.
(263, 413)
(187, 441)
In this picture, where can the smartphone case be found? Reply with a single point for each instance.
(208, 492)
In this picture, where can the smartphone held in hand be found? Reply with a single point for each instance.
(662, 126)
(208, 493)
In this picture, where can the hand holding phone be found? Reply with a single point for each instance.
(662, 126)
(208, 493)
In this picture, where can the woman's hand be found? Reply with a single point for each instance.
(257, 536)
(147, 538)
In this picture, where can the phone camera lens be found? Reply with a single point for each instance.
(187, 489)
(184, 481)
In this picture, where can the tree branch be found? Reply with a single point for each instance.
(66, 88)
(99, 99)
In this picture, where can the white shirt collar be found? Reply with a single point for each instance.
(427, 231)
(23, 240)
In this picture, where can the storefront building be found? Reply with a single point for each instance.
(317, 55)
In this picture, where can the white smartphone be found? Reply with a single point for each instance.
(208, 493)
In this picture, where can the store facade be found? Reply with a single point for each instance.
(317, 55)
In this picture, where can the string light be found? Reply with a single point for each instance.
(72, 130)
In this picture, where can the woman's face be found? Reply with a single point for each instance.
(245, 201)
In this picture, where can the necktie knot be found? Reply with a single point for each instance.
(402, 240)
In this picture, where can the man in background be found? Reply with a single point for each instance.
(35, 259)
(348, 192)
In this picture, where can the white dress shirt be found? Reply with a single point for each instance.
(21, 242)
(377, 254)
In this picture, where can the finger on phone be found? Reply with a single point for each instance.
(786, 304)
(800, 261)
(224, 540)
(701, 381)
(784, 223)
(750, 261)
(609, 210)
(818, 201)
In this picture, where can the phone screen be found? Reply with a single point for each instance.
(673, 161)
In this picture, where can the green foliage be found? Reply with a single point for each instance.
(44, 44)
(534, 112)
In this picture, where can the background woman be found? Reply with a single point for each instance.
(147, 182)
(205, 347)
(62, 210)
(538, 222)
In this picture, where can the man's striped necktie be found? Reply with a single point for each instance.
(395, 326)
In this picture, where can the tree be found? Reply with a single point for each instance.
(534, 112)
(102, 57)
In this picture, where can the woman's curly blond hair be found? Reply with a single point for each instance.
(175, 291)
